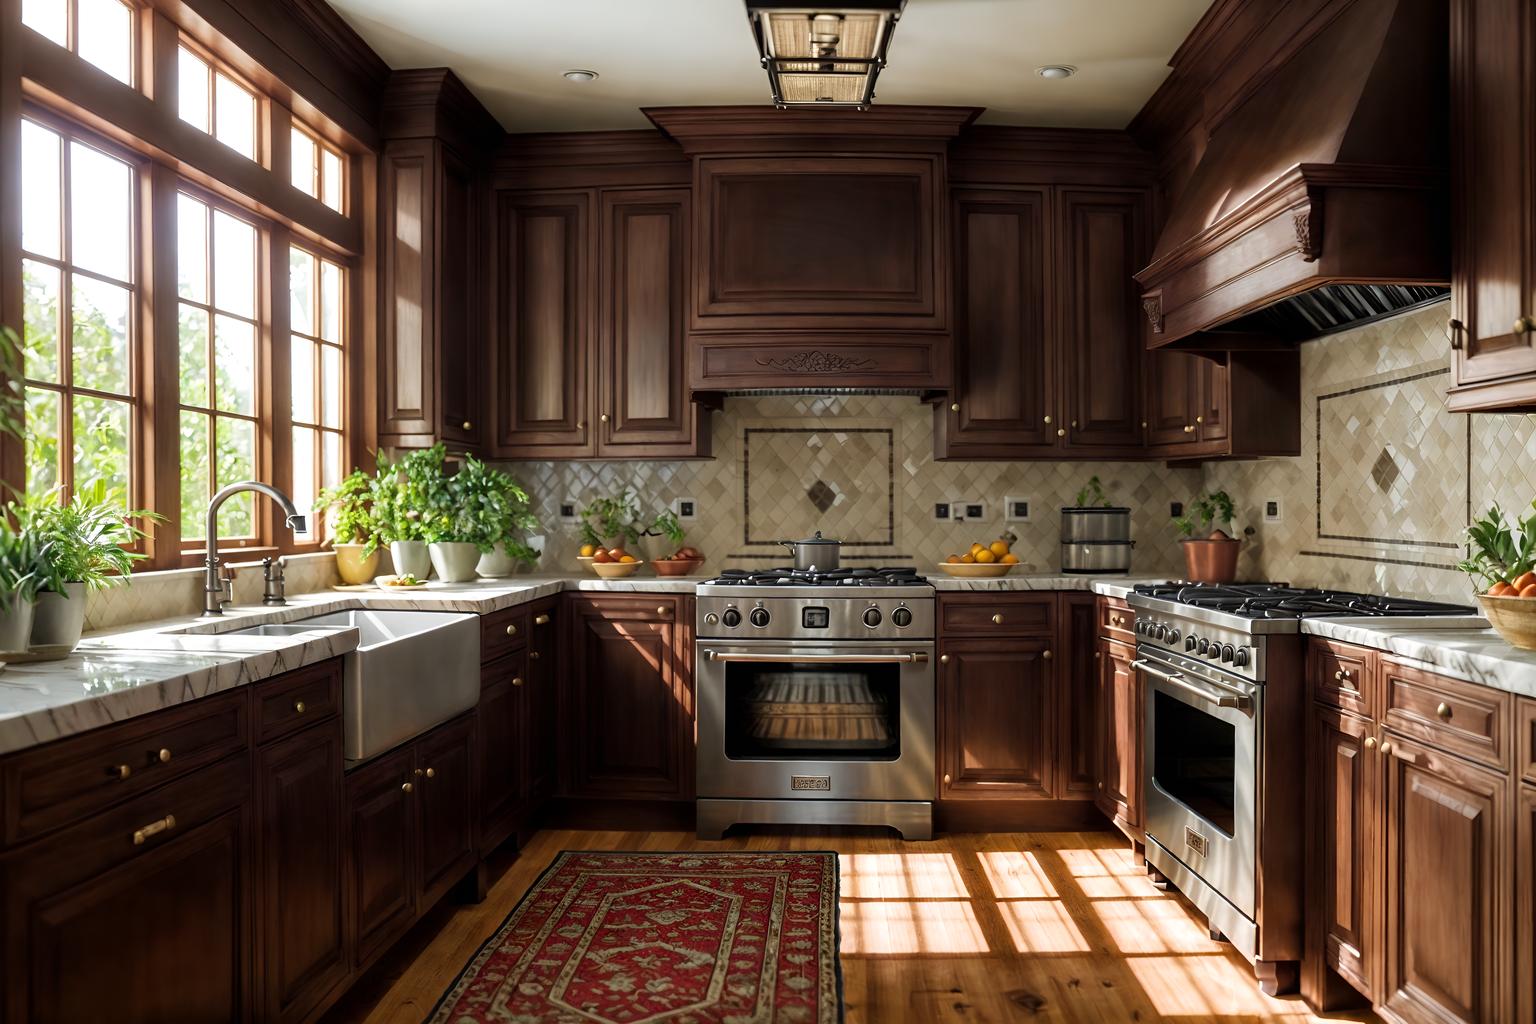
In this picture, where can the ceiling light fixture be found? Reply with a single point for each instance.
(823, 56)
(1056, 71)
(579, 75)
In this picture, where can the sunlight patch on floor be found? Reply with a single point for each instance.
(1148, 926)
(901, 876)
(1100, 863)
(1016, 875)
(1204, 986)
(897, 927)
(1042, 926)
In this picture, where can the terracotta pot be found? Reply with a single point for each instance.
(454, 560)
(353, 566)
(410, 557)
(1211, 559)
(59, 619)
(15, 627)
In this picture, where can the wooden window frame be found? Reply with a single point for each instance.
(261, 103)
(322, 147)
(345, 464)
(71, 42)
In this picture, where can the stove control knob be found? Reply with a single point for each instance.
(1227, 653)
(711, 619)
(872, 617)
(1215, 652)
(1160, 631)
(1173, 636)
(759, 617)
(902, 616)
(1204, 646)
(731, 617)
(1240, 657)
(1189, 643)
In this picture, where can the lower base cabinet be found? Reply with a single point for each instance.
(1118, 790)
(995, 719)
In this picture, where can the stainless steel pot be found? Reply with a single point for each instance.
(1100, 556)
(1082, 523)
(814, 552)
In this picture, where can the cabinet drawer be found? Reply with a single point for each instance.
(63, 782)
(642, 608)
(1457, 717)
(1116, 620)
(295, 699)
(503, 632)
(1525, 736)
(1024, 615)
(1343, 676)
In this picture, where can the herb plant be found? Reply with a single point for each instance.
(1205, 511)
(1499, 550)
(410, 496)
(489, 508)
(349, 511)
(84, 540)
(1092, 495)
(20, 556)
(620, 519)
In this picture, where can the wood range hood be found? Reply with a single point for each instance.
(1321, 200)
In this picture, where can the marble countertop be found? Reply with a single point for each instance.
(1474, 655)
(1108, 586)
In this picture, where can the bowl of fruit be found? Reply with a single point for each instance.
(982, 561)
(1502, 555)
(614, 563)
(682, 562)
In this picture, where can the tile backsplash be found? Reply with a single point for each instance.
(1387, 480)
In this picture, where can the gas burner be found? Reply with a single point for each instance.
(1279, 601)
(892, 577)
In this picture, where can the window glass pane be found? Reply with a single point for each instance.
(41, 212)
(330, 391)
(234, 115)
(330, 463)
(193, 329)
(330, 175)
(191, 249)
(304, 445)
(99, 335)
(235, 461)
(101, 445)
(50, 17)
(40, 292)
(234, 265)
(303, 383)
(330, 301)
(101, 211)
(192, 90)
(302, 159)
(234, 364)
(195, 462)
(105, 36)
(43, 433)
(301, 291)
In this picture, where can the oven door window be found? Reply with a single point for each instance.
(791, 712)
(1196, 760)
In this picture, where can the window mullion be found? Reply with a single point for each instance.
(160, 401)
(275, 376)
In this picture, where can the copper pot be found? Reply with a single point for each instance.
(1211, 559)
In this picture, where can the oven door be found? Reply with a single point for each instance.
(815, 720)
(1200, 751)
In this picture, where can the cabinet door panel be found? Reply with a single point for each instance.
(461, 311)
(300, 809)
(995, 704)
(1119, 784)
(407, 399)
(503, 688)
(541, 720)
(1448, 886)
(1344, 848)
(545, 296)
(1077, 743)
(1525, 905)
(1100, 325)
(642, 343)
(381, 837)
(445, 806)
(1215, 392)
(1004, 360)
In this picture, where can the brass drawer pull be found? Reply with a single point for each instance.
(1060, 432)
(943, 659)
(662, 609)
(541, 620)
(512, 630)
(517, 680)
(1046, 655)
(431, 773)
(299, 707)
(1443, 712)
(954, 407)
(154, 828)
(1370, 743)
(533, 655)
(164, 756)
(121, 771)
(997, 620)
(406, 787)
(468, 425)
(946, 778)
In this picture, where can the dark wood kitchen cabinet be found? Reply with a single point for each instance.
(517, 720)
(1077, 720)
(1120, 725)
(447, 826)
(1525, 895)
(995, 718)
(502, 717)
(1492, 327)
(591, 318)
(1237, 405)
(630, 701)
(541, 777)
(1344, 791)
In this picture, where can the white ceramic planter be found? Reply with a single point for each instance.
(454, 560)
(410, 557)
(15, 628)
(59, 619)
(496, 564)
(353, 566)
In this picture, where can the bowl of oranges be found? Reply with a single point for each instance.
(612, 563)
(982, 561)
(1510, 609)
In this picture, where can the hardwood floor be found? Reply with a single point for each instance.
(1060, 926)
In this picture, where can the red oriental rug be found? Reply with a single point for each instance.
(682, 938)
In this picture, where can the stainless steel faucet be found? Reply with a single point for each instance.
(214, 597)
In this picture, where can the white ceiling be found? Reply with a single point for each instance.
(665, 52)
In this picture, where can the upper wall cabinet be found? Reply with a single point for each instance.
(591, 360)
(434, 165)
(1493, 326)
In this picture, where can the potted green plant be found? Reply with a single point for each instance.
(490, 511)
(409, 499)
(19, 557)
(353, 530)
(1501, 559)
(12, 374)
(1210, 553)
(82, 546)
(612, 522)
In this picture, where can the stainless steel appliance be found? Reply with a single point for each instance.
(1223, 704)
(815, 554)
(816, 700)
(1096, 539)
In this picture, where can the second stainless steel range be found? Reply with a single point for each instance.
(816, 700)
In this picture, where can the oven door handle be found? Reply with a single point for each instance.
(1229, 699)
(915, 658)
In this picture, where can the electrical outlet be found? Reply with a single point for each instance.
(568, 511)
(975, 510)
(1175, 509)
(941, 511)
(685, 508)
(1272, 510)
(1017, 510)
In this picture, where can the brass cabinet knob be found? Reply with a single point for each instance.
(121, 771)
(1524, 324)
(997, 620)
(406, 787)
(468, 425)
(1060, 432)
(1046, 655)
(517, 680)
(164, 756)
(1370, 743)
(512, 631)
(154, 828)
(1144, 424)
(533, 655)
(1074, 424)
(662, 609)
(1443, 711)
(1199, 419)
(298, 707)
(1386, 746)
(541, 620)
(581, 424)
(1047, 419)
(943, 659)
(946, 778)
(954, 407)
(416, 772)
(1189, 428)
(431, 773)
(603, 418)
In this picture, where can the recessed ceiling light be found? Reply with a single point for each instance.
(1056, 71)
(580, 75)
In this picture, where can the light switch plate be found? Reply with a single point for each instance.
(1272, 512)
(569, 510)
(686, 509)
(941, 511)
(1016, 510)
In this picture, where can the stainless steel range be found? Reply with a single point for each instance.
(816, 700)
(1223, 703)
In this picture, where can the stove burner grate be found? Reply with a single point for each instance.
(1278, 601)
(892, 577)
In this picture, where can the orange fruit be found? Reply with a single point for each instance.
(953, 559)
(999, 548)
(588, 550)
(626, 558)
(968, 559)
(1523, 580)
(985, 555)
(1529, 591)
(1009, 559)
(1502, 589)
